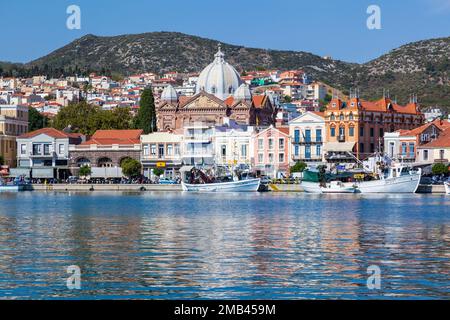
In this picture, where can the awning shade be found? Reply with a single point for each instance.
(339, 146)
(106, 172)
(17, 172)
(43, 173)
(186, 168)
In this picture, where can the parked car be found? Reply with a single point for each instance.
(166, 181)
(72, 179)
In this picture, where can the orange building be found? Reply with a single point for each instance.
(356, 127)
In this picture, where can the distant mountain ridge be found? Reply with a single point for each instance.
(422, 67)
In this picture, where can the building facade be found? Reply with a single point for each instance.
(271, 152)
(307, 134)
(13, 123)
(355, 128)
(44, 153)
(161, 150)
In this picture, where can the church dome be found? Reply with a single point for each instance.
(243, 93)
(169, 94)
(219, 78)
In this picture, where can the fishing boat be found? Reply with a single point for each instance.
(328, 188)
(394, 179)
(249, 185)
(447, 187)
(10, 186)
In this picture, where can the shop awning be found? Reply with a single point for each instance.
(339, 146)
(17, 172)
(186, 168)
(43, 173)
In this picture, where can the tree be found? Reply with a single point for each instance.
(146, 117)
(158, 171)
(85, 171)
(131, 168)
(439, 168)
(287, 99)
(36, 120)
(298, 167)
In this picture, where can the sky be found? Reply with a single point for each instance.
(337, 28)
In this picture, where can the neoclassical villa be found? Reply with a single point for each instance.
(220, 94)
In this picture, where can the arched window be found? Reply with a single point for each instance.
(332, 117)
(81, 162)
(341, 117)
(105, 162)
(350, 116)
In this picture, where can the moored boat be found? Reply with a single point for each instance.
(328, 188)
(447, 187)
(249, 185)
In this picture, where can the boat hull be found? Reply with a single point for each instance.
(311, 187)
(447, 188)
(14, 188)
(250, 185)
(404, 184)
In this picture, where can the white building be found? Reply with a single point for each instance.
(307, 134)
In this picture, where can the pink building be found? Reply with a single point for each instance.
(271, 147)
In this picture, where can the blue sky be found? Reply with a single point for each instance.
(31, 29)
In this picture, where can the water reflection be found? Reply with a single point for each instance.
(170, 245)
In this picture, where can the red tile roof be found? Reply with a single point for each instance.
(442, 142)
(52, 132)
(109, 137)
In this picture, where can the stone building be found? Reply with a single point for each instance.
(13, 122)
(106, 149)
(220, 94)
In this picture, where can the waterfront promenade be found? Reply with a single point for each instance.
(435, 189)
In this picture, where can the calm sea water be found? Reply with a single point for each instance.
(238, 246)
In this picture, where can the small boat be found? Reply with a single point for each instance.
(447, 187)
(329, 188)
(249, 185)
(11, 186)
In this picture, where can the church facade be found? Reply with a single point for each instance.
(220, 95)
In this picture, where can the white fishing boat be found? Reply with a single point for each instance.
(249, 185)
(447, 187)
(395, 179)
(10, 187)
(329, 188)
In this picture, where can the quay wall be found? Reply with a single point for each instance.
(437, 189)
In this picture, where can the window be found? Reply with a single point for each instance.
(381, 132)
(260, 158)
(296, 136)
(350, 117)
(341, 131)
(23, 149)
(223, 150)
(260, 144)
(351, 131)
(425, 155)
(281, 157)
(177, 149)
(296, 150)
(441, 154)
(308, 135)
(332, 117)
(372, 147)
(318, 135)
(244, 148)
(46, 149)
(403, 149)
(170, 149)
(341, 117)
(153, 149)
(270, 144)
(146, 150)
(372, 132)
(361, 131)
(333, 131)
(160, 151)
(412, 151)
(308, 152)
(281, 143)
(319, 150)
(270, 157)
(61, 148)
(391, 149)
(361, 147)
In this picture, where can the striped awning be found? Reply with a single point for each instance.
(339, 146)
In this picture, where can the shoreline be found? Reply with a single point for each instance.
(423, 189)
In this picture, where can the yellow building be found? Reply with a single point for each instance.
(13, 122)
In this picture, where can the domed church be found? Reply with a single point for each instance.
(220, 94)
